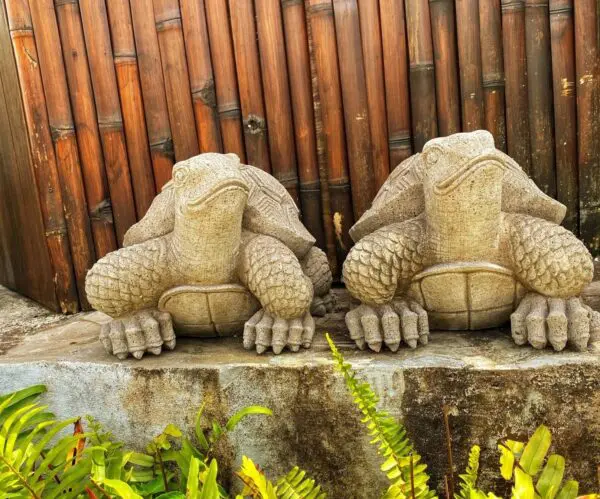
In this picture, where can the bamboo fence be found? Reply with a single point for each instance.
(327, 95)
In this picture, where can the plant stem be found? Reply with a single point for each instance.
(162, 469)
(412, 478)
(21, 479)
(446, 411)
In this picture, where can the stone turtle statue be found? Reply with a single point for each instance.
(459, 237)
(221, 250)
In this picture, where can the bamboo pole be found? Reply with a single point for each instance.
(490, 20)
(539, 86)
(271, 46)
(395, 62)
(110, 121)
(221, 49)
(370, 30)
(327, 220)
(296, 43)
(201, 75)
(565, 108)
(356, 112)
(86, 126)
(153, 91)
(469, 60)
(422, 76)
(128, 79)
(515, 70)
(320, 14)
(52, 70)
(243, 28)
(176, 77)
(446, 66)
(42, 154)
(587, 62)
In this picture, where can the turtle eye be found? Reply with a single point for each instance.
(432, 156)
(180, 175)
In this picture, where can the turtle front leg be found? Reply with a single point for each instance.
(316, 267)
(126, 284)
(377, 272)
(555, 266)
(273, 274)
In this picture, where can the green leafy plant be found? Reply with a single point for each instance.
(34, 461)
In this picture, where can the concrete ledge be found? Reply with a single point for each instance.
(497, 389)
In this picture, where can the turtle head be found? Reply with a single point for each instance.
(209, 186)
(462, 165)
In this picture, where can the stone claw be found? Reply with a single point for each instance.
(138, 333)
(263, 331)
(321, 305)
(540, 320)
(391, 324)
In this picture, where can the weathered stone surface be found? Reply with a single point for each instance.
(460, 238)
(496, 388)
(220, 251)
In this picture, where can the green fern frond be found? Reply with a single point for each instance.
(468, 480)
(402, 463)
(296, 485)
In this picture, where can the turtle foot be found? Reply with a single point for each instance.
(539, 320)
(138, 333)
(321, 305)
(390, 324)
(265, 331)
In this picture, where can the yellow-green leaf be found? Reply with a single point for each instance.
(569, 490)
(535, 451)
(523, 488)
(551, 477)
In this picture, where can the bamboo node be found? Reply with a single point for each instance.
(109, 126)
(102, 212)
(231, 110)
(165, 147)
(56, 231)
(399, 140)
(314, 186)
(206, 94)
(289, 3)
(287, 181)
(566, 9)
(323, 8)
(125, 59)
(254, 125)
(173, 23)
(59, 3)
(61, 132)
(421, 67)
(512, 5)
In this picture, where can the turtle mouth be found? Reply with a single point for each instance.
(457, 177)
(197, 202)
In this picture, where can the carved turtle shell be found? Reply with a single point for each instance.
(401, 197)
(270, 210)
(466, 295)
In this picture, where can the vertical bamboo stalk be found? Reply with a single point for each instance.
(587, 62)
(446, 65)
(422, 76)
(243, 28)
(515, 70)
(221, 49)
(539, 86)
(86, 126)
(65, 143)
(296, 43)
(320, 14)
(175, 73)
(329, 243)
(565, 108)
(42, 153)
(153, 91)
(370, 30)
(271, 46)
(490, 20)
(395, 62)
(128, 79)
(201, 75)
(469, 60)
(110, 121)
(356, 112)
